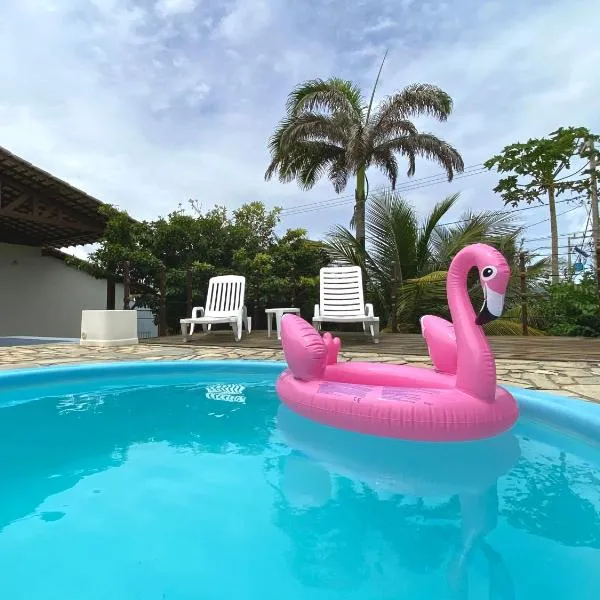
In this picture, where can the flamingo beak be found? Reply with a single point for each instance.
(492, 308)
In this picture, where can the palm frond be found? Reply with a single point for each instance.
(422, 295)
(493, 227)
(505, 326)
(333, 129)
(309, 161)
(429, 278)
(428, 146)
(392, 232)
(392, 128)
(427, 290)
(334, 95)
(414, 101)
(431, 222)
(387, 162)
(341, 245)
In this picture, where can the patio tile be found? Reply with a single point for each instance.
(588, 392)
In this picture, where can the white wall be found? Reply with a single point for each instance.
(43, 296)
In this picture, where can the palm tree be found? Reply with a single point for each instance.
(329, 129)
(406, 261)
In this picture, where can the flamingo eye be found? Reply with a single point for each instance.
(488, 273)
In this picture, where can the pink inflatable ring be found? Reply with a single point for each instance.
(408, 402)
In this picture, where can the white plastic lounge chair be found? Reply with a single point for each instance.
(342, 300)
(224, 304)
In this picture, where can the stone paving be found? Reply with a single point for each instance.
(577, 379)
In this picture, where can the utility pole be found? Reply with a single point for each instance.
(594, 212)
(569, 257)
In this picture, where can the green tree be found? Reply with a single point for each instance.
(279, 270)
(408, 259)
(125, 240)
(252, 227)
(533, 171)
(296, 265)
(331, 130)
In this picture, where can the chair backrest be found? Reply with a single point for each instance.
(341, 292)
(225, 295)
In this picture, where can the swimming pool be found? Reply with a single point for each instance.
(190, 480)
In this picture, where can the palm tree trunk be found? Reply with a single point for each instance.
(553, 233)
(360, 206)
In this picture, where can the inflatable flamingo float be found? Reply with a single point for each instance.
(410, 402)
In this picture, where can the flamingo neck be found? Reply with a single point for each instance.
(475, 364)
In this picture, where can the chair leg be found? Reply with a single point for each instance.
(184, 331)
(237, 329)
(375, 332)
(247, 321)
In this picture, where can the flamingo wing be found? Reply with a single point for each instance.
(441, 342)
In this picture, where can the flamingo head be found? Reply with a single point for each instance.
(494, 274)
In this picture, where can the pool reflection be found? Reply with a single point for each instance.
(433, 505)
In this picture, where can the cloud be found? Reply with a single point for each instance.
(246, 20)
(175, 7)
(382, 24)
(146, 103)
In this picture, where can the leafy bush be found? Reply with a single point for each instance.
(570, 308)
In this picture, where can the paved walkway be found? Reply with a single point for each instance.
(579, 379)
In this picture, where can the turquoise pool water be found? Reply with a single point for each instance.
(196, 486)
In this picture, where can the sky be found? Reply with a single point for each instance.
(146, 104)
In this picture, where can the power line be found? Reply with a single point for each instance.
(428, 181)
(343, 200)
(521, 209)
(548, 218)
(510, 212)
(336, 202)
(560, 235)
(422, 182)
(415, 184)
(573, 174)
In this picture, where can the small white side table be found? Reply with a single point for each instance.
(278, 312)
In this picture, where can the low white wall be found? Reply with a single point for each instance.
(109, 327)
(43, 296)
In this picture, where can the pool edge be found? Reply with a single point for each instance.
(579, 416)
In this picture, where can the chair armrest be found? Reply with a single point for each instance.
(317, 311)
(197, 311)
(369, 311)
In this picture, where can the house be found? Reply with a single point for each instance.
(42, 293)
